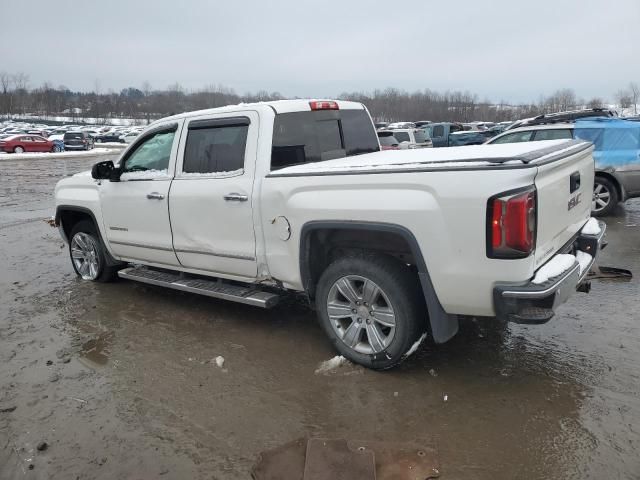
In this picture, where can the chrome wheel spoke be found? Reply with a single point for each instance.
(77, 254)
(352, 334)
(370, 292)
(346, 289)
(604, 194)
(384, 316)
(598, 188)
(375, 337)
(339, 310)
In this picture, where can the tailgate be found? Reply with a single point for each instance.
(564, 188)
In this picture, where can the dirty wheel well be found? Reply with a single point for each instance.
(69, 218)
(322, 246)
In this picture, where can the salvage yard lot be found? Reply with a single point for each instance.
(118, 378)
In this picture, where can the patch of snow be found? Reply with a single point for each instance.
(231, 173)
(554, 267)
(592, 227)
(415, 345)
(145, 174)
(331, 364)
(112, 144)
(51, 156)
(584, 259)
(219, 361)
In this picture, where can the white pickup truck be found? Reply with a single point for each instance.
(252, 201)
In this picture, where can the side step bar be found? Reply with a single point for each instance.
(210, 288)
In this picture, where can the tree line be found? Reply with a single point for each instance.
(17, 98)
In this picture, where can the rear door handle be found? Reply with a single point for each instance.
(155, 196)
(236, 197)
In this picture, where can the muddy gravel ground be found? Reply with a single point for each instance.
(117, 378)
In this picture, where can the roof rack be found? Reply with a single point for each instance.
(564, 117)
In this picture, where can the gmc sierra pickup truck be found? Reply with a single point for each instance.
(253, 201)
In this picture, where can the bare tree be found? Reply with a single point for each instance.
(634, 89)
(595, 102)
(623, 98)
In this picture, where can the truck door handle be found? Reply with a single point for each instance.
(155, 196)
(236, 197)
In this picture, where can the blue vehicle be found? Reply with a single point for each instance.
(616, 154)
(440, 132)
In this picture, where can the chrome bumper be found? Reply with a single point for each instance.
(535, 303)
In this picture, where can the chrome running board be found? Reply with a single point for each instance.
(210, 288)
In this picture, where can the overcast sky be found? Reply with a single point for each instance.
(498, 49)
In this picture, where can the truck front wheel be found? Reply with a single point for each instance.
(88, 254)
(369, 306)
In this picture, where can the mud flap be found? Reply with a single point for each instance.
(443, 325)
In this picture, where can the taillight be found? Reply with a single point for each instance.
(323, 105)
(511, 224)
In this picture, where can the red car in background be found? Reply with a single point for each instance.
(27, 143)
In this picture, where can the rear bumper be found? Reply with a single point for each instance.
(534, 303)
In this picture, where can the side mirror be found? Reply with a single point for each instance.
(103, 170)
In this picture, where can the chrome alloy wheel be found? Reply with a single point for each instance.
(601, 197)
(84, 253)
(361, 314)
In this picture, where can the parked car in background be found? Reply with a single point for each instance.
(439, 132)
(380, 125)
(110, 136)
(411, 138)
(395, 125)
(422, 123)
(467, 137)
(130, 136)
(26, 143)
(616, 154)
(388, 141)
(77, 141)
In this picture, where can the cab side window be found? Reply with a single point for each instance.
(216, 146)
(152, 154)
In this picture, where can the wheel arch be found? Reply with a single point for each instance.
(622, 194)
(67, 216)
(318, 239)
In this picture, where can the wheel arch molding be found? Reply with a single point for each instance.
(74, 214)
(442, 326)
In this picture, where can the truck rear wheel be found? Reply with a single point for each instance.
(87, 254)
(369, 306)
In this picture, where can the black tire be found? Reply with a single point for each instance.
(604, 185)
(402, 289)
(105, 273)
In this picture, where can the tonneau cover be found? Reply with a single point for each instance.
(473, 156)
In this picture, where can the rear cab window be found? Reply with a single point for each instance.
(315, 136)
